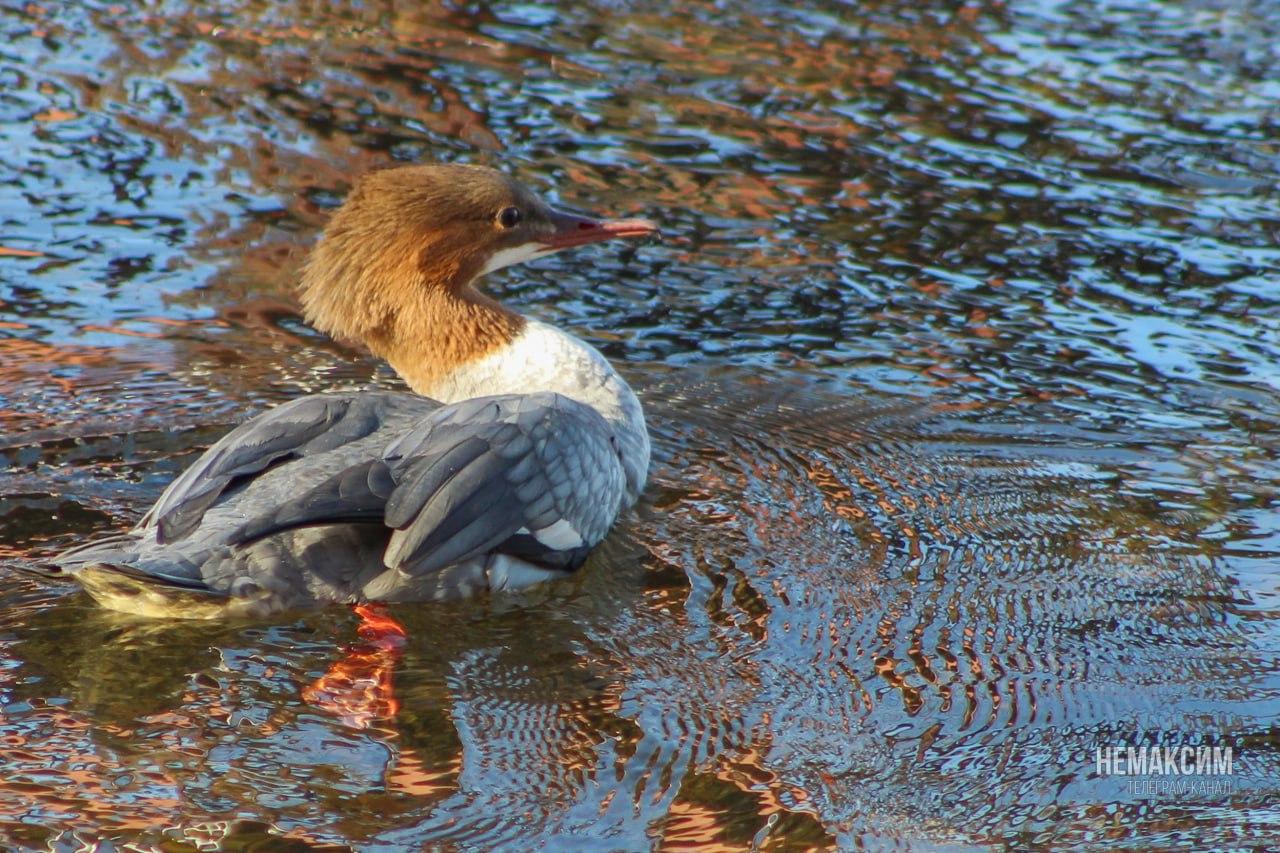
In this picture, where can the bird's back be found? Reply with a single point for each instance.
(184, 557)
(371, 496)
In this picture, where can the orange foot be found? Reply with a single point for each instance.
(379, 627)
(359, 689)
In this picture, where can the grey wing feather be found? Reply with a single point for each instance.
(499, 470)
(490, 473)
(301, 427)
(357, 493)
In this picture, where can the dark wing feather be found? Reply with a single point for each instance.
(296, 429)
(491, 473)
(357, 493)
(549, 468)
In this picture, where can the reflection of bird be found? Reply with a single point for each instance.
(522, 466)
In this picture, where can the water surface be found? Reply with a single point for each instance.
(962, 360)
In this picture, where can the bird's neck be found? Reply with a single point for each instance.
(445, 334)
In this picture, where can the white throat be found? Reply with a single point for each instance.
(515, 255)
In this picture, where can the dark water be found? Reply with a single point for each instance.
(962, 359)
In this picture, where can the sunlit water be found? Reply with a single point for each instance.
(962, 359)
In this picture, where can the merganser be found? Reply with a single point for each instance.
(509, 463)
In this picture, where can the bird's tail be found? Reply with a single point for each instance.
(134, 591)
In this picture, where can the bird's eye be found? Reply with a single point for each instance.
(509, 217)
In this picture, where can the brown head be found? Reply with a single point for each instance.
(397, 265)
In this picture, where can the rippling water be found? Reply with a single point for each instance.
(962, 359)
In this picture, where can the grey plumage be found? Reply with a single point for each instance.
(376, 494)
(294, 430)
(521, 453)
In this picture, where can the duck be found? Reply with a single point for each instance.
(508, 460)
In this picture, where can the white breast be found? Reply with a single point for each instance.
(544, 358)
